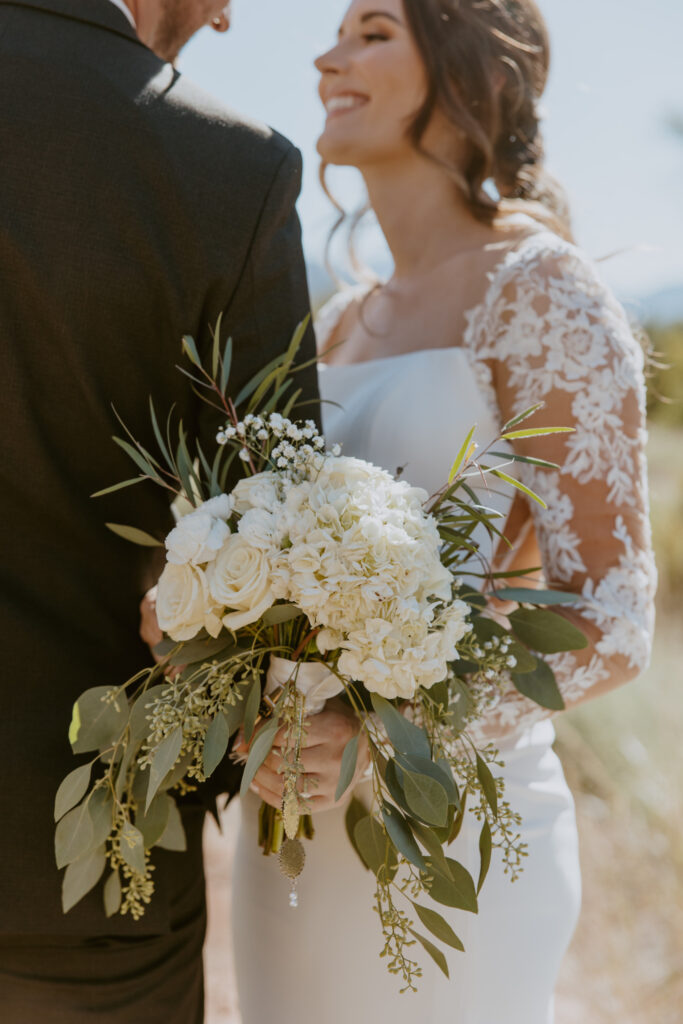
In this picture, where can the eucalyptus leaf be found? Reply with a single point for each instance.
(434, 952)
(118, 487)
(131, 846)
(190, 350)
(394, 786)
(425, 766)
(437, 858)
(101, 811)
(530, 596)
(438, 926)
(485, 849)
(206, 649)
(251, 709)
(375, 848)
(163, 761)
(258, 752)
(462, 704)
(215, 743)
(348, 766)
(226, 365)
(134, 535)
(516, 435)
(112, 894)
(173, 837)
(73, 835)
(546, 631)
(96, 721)
(178, 773)
(401, 836)
(142, 459)
(280, 613)
(462, 455)
(81, 876)
(234, 716)
(488, 784)
(152, 824)
(540, 686)
(458, 821)
(157, 433)
(519, 486)
(72, 789)
(453, 890)
(122, 775)
(426, 797)
(139, 716)
(354, 813)
(406, 737)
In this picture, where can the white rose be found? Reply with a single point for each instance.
(200, 534)
(259, 491)
(183, 604)
(258, 528)
(239, 580)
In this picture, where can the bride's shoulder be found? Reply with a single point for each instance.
(547, 296)
(543, 262)
(330, 318)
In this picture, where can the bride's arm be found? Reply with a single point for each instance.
(554, 334)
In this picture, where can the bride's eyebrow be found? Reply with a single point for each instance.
(380, 14)
(374, 14)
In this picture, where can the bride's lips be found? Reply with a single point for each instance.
(344, 103)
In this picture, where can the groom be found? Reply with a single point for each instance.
(133, 209)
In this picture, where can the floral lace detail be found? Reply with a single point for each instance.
(548, 330)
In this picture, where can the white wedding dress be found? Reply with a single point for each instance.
(549, 331)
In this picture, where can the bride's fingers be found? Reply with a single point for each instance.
(267, 795)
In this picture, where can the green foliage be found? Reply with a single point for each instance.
(98, 717)
(665, 390)
(216, 743)
(81, 876)
(348, 766)
(260, 748)
(546, 632)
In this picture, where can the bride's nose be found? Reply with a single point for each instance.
(331, 62)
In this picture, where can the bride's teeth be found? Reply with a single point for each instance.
(342, 103)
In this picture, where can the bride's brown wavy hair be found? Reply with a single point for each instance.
(487, 64)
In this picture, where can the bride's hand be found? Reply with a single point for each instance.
(326, 737)
(150, 632)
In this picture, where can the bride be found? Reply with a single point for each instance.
(490, 310)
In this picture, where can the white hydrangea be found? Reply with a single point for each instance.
(346, 543)
(361, 559)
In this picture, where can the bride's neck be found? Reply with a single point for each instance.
(422, 216)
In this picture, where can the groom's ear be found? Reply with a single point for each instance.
(222, 22)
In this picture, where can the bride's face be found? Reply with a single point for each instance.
(372, 84)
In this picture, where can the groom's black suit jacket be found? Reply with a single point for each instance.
(133, 209)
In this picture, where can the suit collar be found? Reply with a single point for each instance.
(99, 13)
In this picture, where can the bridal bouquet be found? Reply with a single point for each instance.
(316, 576)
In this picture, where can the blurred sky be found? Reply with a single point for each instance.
(617, 75)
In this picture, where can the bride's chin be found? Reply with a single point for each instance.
(336, 153)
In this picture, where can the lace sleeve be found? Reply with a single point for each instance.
(553, 333)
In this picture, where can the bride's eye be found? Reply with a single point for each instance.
(374, 37)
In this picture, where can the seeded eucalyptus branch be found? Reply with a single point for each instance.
(169, 728)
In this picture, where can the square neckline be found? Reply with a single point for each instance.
(470, 315)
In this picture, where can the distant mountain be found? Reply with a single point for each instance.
(661, 307)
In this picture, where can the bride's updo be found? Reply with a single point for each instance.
(487, 65)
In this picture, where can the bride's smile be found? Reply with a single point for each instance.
(372, 84)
